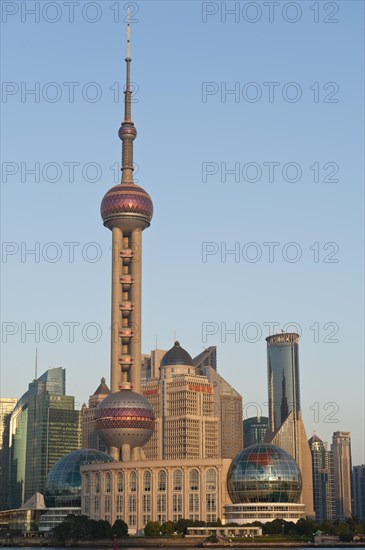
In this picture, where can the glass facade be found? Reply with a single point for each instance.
(264, 473)
(63, 486)
(283, 377)
(254, 430)
(43, 427)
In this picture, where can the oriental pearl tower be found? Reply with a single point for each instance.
(125, 419)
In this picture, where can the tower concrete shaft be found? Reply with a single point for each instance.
(125, 419)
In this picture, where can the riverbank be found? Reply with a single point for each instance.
(169, 543)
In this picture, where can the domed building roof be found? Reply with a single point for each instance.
(124, 417)
(63, 485)
(126, 200)
(177, 356)
(264, 473)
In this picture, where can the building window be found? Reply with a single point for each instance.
(87, 483)
(177, 482)
(120, 483)
(133, 482)
(177, 506)
(194, 480)
(97, 483)
(108, 483)
(132, 504)
(146, 504)
(193, 503)
(161, 504)
(211, 481)
(162, 481)
(87, 505)
(107, 504)
(119, 501)
(147, 482)
(211, 505)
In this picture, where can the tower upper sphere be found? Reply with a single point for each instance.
(127, 206)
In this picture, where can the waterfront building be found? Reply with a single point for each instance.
(341, 448)
(89, 437)
(264, 483)
(7, 405)
(286, 427)
(323, 480)
(358, 476)
(44, 425)
(254, 430)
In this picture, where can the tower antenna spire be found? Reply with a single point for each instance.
(127, 131)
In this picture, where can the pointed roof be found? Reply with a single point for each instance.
(36, 502)
(315, 439)
(102, 389)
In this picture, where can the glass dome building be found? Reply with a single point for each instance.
(264, 473)
(264, 483)
(63, 485)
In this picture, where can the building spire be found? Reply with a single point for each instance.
(127, 131)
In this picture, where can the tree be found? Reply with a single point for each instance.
(182, 525)
(152, 529)
(120, 528)
(168, 528)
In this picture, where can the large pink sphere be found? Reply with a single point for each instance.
(127, 206)
(125, 417)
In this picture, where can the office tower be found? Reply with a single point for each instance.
(7, 405)
(358, 478)
(186, 421)
(125, 419)
(44, 426)
(323, 480)
(151, 364)
(89, 437)
(286, 428)
(227, 402)
(341, 448)
(254, 430)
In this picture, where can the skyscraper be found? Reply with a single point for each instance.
(341, 448)
(323, 480)
(7, 405)
(286, 428)
(227, 402)
(183, 401)
(89, 437)
(358, 477)
(44, 426)
(254, 430)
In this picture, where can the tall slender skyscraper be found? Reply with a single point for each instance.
(341, 448)
(7, 405)
(125, 419)
(286, 428)
(358, 477)
(323, 480)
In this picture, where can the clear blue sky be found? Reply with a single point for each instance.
(180, 130)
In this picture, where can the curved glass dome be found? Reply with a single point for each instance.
(264, 473)
(63, 485)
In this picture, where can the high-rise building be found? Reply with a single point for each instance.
(254, 430)
(227, 402)
(7, 405)
(89, 437)
(286, 428)
(341, 448)
(186, 421)
(358, 478)
(44, 426)
(323, 480)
